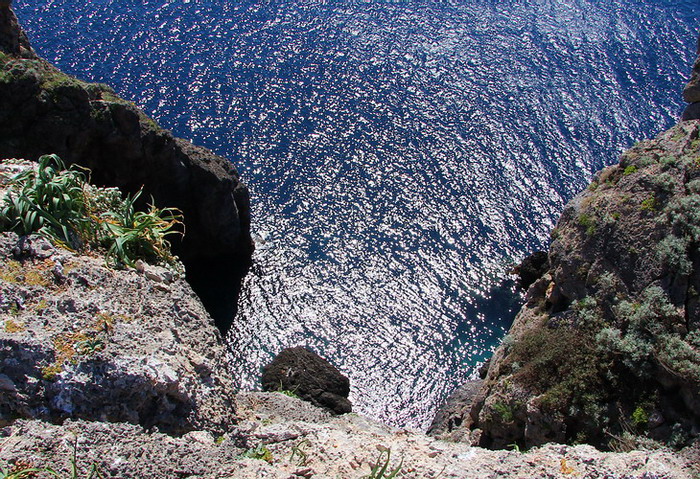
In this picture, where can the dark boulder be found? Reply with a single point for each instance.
(532, 268)
(310, 377)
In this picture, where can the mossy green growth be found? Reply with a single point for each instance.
(505, 412)
(260, 452)
(649, 204)
(640, 418)
(588, 222)
(629, 170)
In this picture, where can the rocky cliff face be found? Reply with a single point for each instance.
(79, 340)
(608, 344)
(606, 349)
(43, 111)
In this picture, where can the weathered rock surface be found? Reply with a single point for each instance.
(607, 345)
(43, 110)
(305, 442)
(310, 377)
(691, 93)
(451, 415)
(79, 340)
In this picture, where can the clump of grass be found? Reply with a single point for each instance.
(26, 470)
(299, 452)
(380, 470)
(649, 204)
(587, 221)
(58, 203)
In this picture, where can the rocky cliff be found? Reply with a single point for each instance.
(121, 373)
(606, 349)
(43, 110)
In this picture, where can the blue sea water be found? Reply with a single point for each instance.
(401, 155)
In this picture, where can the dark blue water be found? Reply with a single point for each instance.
(401, 155)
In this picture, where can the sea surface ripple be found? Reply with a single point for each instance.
(401, 155)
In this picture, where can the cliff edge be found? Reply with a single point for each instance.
(44, 111)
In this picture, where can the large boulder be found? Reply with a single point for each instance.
(309, 376)
(43, 110)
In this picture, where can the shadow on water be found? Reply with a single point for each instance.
(496, 311)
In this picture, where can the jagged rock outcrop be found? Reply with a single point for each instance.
(448, 419)
(43, 110)
(13, 40)
(81, 341)
(309, 376)
(607, 345)
(691, 93)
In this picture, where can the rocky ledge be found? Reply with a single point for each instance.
(79, 340)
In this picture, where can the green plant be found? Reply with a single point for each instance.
(649, 204)
(89, 346)
(298, 451)
(587, 222)
(629, 170)
(640, 418)
(25, 471)
(673, 252)
(292, 393)
(58, 203)
(47, 199)
(136, 234)
(260, 452)
(380, 468)
(505, 411)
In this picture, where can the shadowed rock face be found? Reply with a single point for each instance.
(691, 93)
(13, 40)
(532, 268)
(310, 377)
(42, 111)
